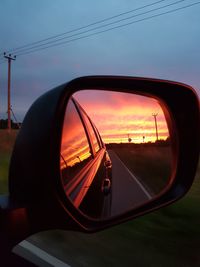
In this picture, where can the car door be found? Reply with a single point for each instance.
(83, 161)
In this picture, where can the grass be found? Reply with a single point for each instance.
(150, 164)
(6, 144)
(167, 237)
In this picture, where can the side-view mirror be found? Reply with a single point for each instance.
(101, 150)
(116, 151)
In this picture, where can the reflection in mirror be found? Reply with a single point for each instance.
(116, 152)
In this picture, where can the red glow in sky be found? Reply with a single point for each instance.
(119, 115)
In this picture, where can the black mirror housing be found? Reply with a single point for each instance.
(34, 179)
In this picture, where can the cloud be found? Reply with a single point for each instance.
(165, 47)
(118, 114)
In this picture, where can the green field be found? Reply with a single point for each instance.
(6, 144)
(169, 237)
(152, 165)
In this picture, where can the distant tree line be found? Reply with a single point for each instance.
(4, 124)
(148, 144)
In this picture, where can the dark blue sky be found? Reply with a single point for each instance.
(165, 47)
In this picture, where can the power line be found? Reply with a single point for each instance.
(1, 57)
(18, 124)
(43, 46)
(110, 29)
(96, 28)
(83, 27)
(3, 62)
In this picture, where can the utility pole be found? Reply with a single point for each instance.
(10, 58)
(155, 115)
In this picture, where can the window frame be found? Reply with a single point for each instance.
(77, 107)
(93, 164)
(81, 113)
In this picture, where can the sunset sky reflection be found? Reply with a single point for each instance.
(122, 115)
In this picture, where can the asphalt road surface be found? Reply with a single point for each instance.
(127, 190)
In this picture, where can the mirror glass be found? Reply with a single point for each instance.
(115, 153)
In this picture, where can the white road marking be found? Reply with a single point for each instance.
(135, 179)
(37, 255)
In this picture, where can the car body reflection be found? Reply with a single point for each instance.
(85, 164)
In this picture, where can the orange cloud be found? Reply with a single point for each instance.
(117, 114)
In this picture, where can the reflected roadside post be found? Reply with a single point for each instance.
(155, 115)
